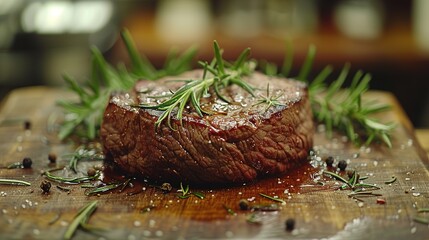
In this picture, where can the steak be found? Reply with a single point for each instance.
(238, 142)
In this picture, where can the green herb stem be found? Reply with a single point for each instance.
(70, 180)
(193, 91)
(338, 177)
(14, 182)
(107, 188)
(392, 180)
(421, 220)
(273, 198)
(420, 210)
(80, 219)
(229, 210)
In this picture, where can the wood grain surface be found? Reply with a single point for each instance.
(319, 211)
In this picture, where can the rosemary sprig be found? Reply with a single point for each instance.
(217, 75)
(276, 199)
(70, 180)
(81, 219)
(83, 118)
(353, 183)
(339, 108)
(184, 190)
(269, 100)
(83, 153)
(14, 182)
(107, 188)
(186, 193)
(15, 165)
(338, 177)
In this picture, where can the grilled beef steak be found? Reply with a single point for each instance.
(239, 142)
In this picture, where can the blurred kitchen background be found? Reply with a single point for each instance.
(42, 39)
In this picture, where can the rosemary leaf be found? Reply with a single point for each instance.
(338, 177)
(198, 195)
(15, 165)
(273, 198)
(107, 188)
(421, 220)
(392, 180)
(420, 210)
(229, 210)
(14, 182)
(81, 218)
(306, 68)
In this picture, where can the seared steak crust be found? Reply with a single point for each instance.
(239, 142)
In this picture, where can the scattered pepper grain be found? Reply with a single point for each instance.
(166, 187)
(342, 165)
(52, 157)
(91, 172)
(243, 204)
(290, 224)
(45, 186)
(27, 162)
(27, 125)
(329, 161)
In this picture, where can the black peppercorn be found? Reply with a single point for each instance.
(342, 165)
(52, 157)
(166, 187)
(91, 172)
(290, 224)
(243, 204)
(329, 161)
(27, 162)
(45, 186)
(27, 125)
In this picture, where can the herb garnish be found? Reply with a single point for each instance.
(217, 75)
(276, 199)
(423, 210)
(343, 110)
(229, 210)
(392, 180)
(84, 117)
(269, 100)
(81, 219)
(108, 187)
(14, 182)
(84, 153)
(353, 183)
(421, 220)
(15, 165)
(70, 180)
(64, 189)
(186, 193)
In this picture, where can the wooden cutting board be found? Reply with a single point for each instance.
(319, 211)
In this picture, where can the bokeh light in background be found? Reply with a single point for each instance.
(56, 17)
(42, 39)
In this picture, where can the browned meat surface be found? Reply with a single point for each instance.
(239, 142)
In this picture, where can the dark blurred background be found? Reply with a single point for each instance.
(42, 39)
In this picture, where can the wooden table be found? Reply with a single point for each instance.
(319, 211)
